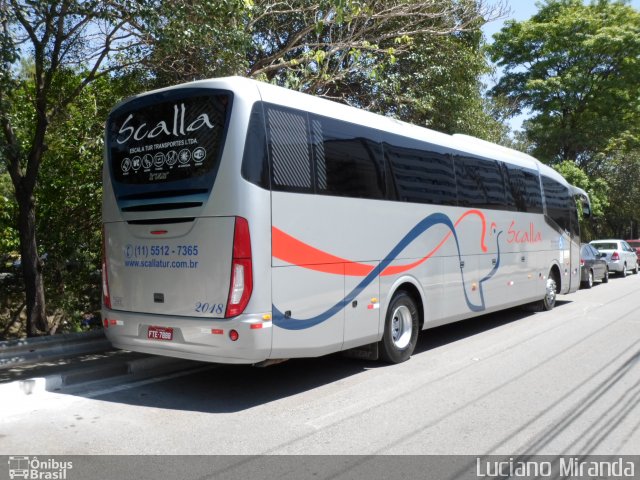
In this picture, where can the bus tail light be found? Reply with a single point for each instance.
(106, 298)
(241, 284)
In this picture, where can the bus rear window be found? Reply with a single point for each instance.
(168, 137)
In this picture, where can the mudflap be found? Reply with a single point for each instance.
(364, 352)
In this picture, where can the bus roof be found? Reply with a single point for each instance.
(321, 106)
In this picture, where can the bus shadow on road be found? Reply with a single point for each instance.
(214, 388)
(452, 332)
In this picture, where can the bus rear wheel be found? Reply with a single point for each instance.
(400, 329)
(549, 300)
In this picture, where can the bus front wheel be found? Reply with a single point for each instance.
(400, 329)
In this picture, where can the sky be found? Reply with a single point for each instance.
(522, 10)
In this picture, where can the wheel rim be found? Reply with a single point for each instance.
(401, 327)
(550, 297)
(590, 279)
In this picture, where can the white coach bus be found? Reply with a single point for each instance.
(247, 223)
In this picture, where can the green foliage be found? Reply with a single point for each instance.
(417, 60)
(597, 188)
(577, 67)
(9, 242)
(194, 40)
(621, 170)
(69, 196)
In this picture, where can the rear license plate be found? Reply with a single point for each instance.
(160, 333)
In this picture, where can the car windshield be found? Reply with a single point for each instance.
(605, 245)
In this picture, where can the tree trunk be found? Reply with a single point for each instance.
(37, 323)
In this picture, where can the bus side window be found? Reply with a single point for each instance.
(420, 173)
(255, 164)
(533, 198)
(524, 186)
(289, 150)
(349, 162)
(559, 203)
(480, 183)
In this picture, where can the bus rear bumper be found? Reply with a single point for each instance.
(208, 340)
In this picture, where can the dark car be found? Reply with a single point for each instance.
(593, 266)
(635, 244)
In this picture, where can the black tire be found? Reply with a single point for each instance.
(605, 279)
(400, 329)
(623, 273)
(549, 300)
(589, 282)
(635, 270)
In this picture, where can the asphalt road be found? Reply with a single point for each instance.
(513, 383)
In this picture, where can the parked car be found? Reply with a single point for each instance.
(635, 244)
(593, 266)
(620, 256)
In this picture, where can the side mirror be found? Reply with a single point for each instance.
(602, 254)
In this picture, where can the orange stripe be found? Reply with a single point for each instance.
(293, 251)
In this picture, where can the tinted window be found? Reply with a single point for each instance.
(523, 189)
(255, 165)
(168, 140)
(420, 173)
(480, 183)
(559, 203)
(348, 159)
(587, 252)
(313, 154)
(288, 141)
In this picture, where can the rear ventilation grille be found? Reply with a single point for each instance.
(156, 201)
(154, 207)
(164, 194)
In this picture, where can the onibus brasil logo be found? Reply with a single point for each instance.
(33, 468)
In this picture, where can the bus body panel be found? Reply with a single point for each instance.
(193, 338)
(325, 267)
(171, 268)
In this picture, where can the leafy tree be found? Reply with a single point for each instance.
(189, 40)
(419, 60)
(69, 198)
(598, 190)
(93, 37)
(55, 55)
(9, 243)
(577, 68)
(621, 171)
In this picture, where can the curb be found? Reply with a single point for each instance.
(14, 352)
(137, 367)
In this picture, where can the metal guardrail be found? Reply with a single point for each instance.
(39, 349)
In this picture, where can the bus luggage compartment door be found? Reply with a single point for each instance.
(308, 309)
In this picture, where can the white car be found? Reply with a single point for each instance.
(619, 255)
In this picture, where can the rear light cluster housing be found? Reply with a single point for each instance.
(241, 283)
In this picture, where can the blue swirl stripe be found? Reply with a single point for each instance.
(290, 323)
